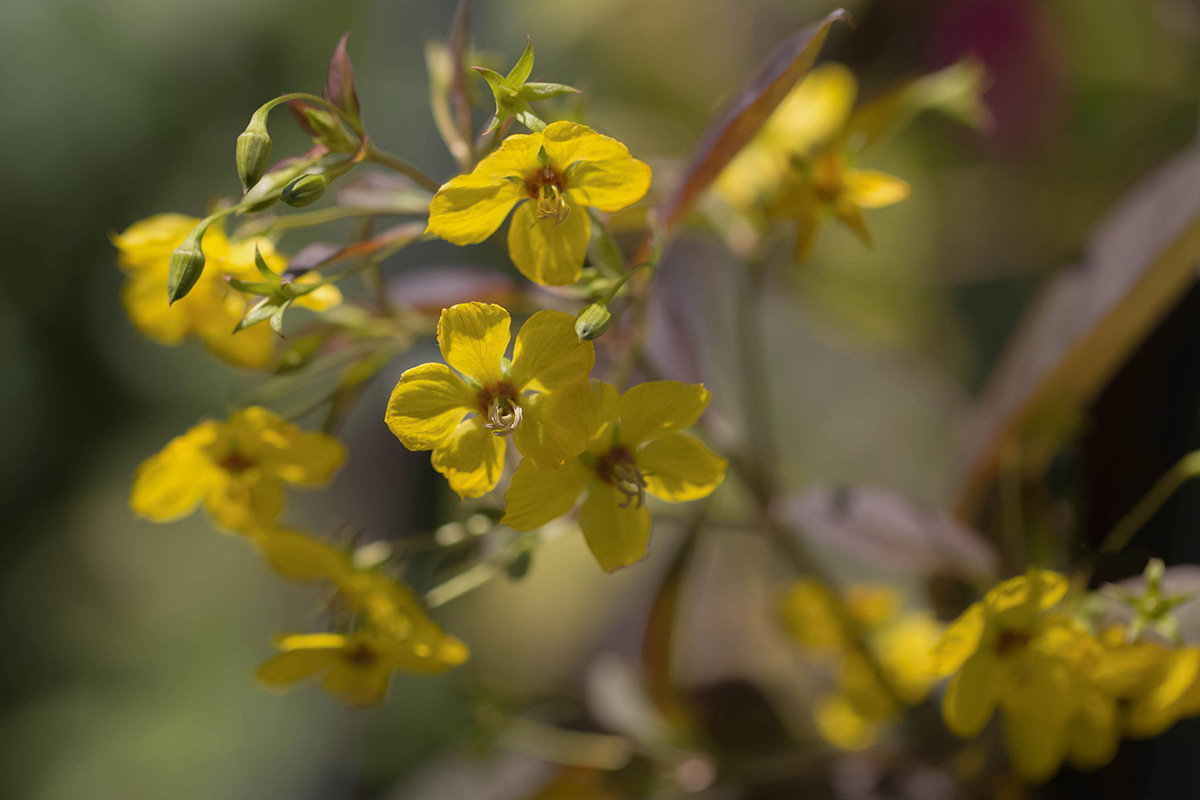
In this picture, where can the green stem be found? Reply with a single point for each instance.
(386, 159)
(1184, 470)
(462, 583)
(352, 123)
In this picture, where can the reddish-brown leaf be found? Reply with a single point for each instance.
(339, 81)
(1085, 325)
(736, 126)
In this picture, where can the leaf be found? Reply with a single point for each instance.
(544, 91)
(1183, 579)
(339, 81)
(1088, 321)
(522, 69)
(877, 526)
(738, 124)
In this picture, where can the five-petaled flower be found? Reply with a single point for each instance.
(356, 667)
(236, 468)
(797, 167)
(635, 449)
(535, 398)
(213, 308)
(550, 177)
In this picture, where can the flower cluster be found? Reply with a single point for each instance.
(1066, 691)
(863, 699)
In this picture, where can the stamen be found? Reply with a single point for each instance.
(503, 416)
(630, 482)
(551, 204)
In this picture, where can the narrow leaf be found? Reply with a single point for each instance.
(1088, 321)
(524, 66)
(734, 128)
(544, 91)
(339, 82)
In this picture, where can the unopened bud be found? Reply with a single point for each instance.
(253, 152)
(304, 190)
(187, 264)
(592, 322)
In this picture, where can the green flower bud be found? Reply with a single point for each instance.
(304, 190)
(592, 322)
(187, 264)
(253, 152)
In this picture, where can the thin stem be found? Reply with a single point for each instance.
(331, 214)
(351, 123)
(386, 159)
(462, 583)
(1185, 469)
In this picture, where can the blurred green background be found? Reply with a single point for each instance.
(129, 647)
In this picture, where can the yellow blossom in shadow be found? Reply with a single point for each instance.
(355, 667)
(551, 178)
(213, 308)
(636, 448)
(464, 417)
(237, 469)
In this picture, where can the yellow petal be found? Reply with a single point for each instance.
(1093, 736)
(546, 251)
(170, 485)
(554, 426)
(245, 502)
(616, 536)
(357, 685)
(972, 695)
(960, 641)
(655, 408)
(842, 726)
(250, 348)
(1036, 746)
(291, 667)
(282, 450)
(548, 355)
(427, 404)
(536, 495)
(239, 261)
(814, 112)
(145, 301)
(871, 189)
(469, 208)
(1016, 601)
(678, 468)
(471, 458)
(599, 411)
(473, 338)
(300, 557)
(599, 170)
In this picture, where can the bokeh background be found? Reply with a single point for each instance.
(128, 648)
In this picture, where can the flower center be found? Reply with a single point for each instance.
(500, 409)
(1010, 640)
(360, 655)
(235, 462)
(546, 187)
(618, 468)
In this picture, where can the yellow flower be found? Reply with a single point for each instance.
(1039, 668)
(213, 308)
(388, 605)
(550, 177)
(531, 398)
(236, 468)
(635, 449)
(356, 667)
(900, 642)
(797, 168)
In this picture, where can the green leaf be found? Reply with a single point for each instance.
(544, 91)
(524, 66)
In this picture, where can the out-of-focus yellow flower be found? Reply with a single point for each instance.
(1161, 683)
(550, 177)
(356, 667)
(532, 398)
(388, 605)
(213, 308)
(900, 642)
(636, 448)
(236, 468)
(1040, 668)
(797, 167)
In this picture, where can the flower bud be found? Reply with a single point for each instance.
(187, 264)
(304, 190)
(253, 153)
(592, 322)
